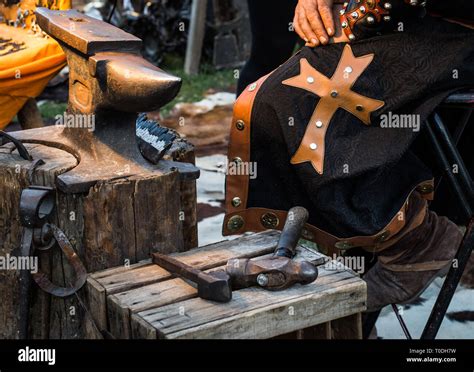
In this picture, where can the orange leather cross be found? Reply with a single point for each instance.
(335, 93)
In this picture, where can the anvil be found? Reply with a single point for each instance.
(109, 84)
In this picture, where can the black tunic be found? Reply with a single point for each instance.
(369, 171)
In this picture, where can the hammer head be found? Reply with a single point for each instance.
(215, 286)
(275, 273)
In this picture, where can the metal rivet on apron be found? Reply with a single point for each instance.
(319, 124)
(240, 125)
(252, 87)
(269, 220)
(334, 93)
(306, 234)
(310, 79)
(237, 160)
(313, 146)
(236, 201)
(235, 223)
(343, 245)
(360, 108)
(383, 236)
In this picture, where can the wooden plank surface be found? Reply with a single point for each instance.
(145, 301)
(256, 313)
(121, 306)
(347, 328)
(122, 278)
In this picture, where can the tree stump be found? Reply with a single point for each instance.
(116, 223)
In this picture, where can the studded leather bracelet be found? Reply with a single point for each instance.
(364, 18)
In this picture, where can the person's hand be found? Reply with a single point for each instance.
(337, 36)
(314, 22)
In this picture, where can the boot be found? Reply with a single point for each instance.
(404, 270)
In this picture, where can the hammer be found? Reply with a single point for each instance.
(279, 271)
(214, 286)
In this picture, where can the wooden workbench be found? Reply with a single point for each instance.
(145, 301)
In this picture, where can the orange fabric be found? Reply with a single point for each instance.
(25, 73)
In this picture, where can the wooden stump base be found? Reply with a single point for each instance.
(117, 223)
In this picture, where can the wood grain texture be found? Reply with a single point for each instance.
(95, 300)
(318, 332)
(122, 305)
(256, 313)
(157, 205)
(117, 223)
(13, 178)
(145, 301)
(347, 328)
(123, 279)
(183, 151)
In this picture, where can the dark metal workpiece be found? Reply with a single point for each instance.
(5, 138)
(36, 206)
(214, 286)
(153, 139)
(80, 271)
(280, 271)
(109, 83)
